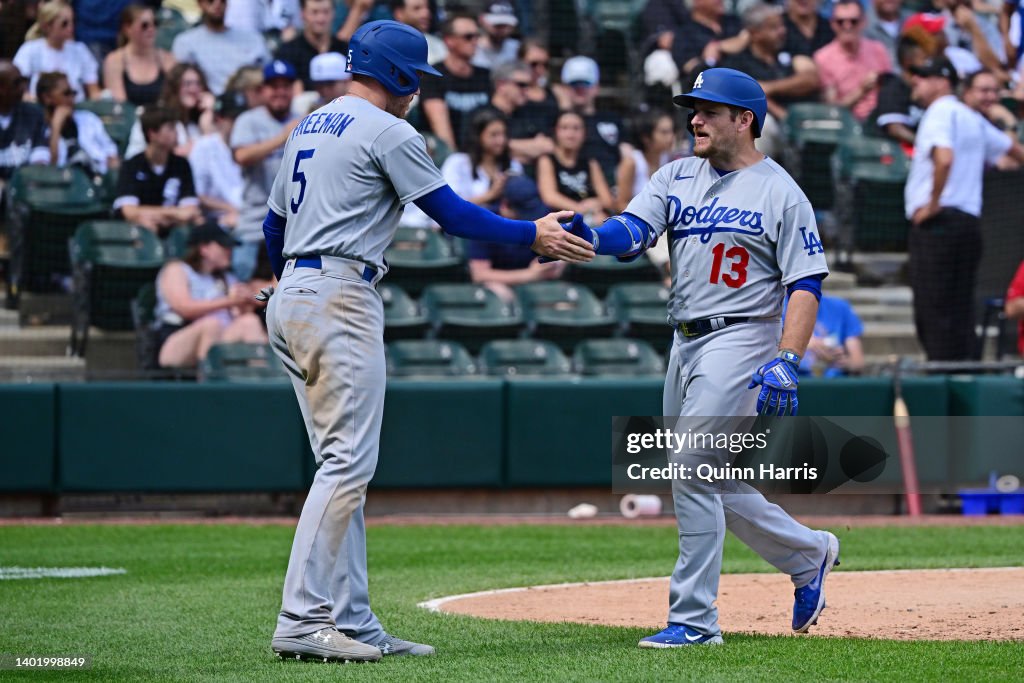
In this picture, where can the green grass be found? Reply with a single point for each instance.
(199, 603)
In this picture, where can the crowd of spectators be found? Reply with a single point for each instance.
(514, 128)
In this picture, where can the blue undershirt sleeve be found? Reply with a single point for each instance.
(811, 283)
(273, 234)
(458, 217)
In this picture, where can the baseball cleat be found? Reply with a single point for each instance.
(326, 645)
(677, 635)
(396, 647)
(810, 600)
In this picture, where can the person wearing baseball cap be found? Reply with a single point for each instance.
(257, 140)
(581, 79)
(217, 177)
(330, 77)
(942, 198)
(497, 46)
(928, 30)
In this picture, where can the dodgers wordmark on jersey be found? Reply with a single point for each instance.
(736, 239)
(359, 157)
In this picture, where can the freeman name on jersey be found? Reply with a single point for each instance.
(325, 122)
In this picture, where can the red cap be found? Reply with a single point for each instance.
(933, 23)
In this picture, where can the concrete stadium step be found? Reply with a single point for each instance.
(892, 296)
(34, 341)
(839, 282)
(8, 320)
(41, 369)
(885, 313)
(885, 338)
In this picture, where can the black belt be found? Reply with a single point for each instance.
(369, 272)
(698, 328)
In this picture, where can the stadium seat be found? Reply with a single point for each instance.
(403, 318)
(118, 119)
(631, 357)
(45, 205)
(176, 241)
(419, 256)
(110, 260)
(523, 357)
(642, 311)
(606, 271)
(564, 312)
(242, 363)
(169, 23)
(429, 358)
(870, 174)
(470, 314)
(814, 130)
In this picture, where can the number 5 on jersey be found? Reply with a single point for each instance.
(300, 177)
(738, 260)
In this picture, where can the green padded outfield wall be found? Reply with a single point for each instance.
(994, 444)
(28, 423)
(185, 438)
(444, 433)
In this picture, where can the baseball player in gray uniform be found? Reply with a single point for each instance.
(742, 236)
(347, 170)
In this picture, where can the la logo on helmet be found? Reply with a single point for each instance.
(700, 80)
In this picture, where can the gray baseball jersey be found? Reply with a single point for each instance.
(736, 239)
(365, 164)
(254, 126)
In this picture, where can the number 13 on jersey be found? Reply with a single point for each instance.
(300, 177)
(736, 274)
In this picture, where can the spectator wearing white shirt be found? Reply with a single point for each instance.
(217, 176)
(218, 49)
(479, 174)
(77, 137)
(943, 202)
(185, 93)
(50, 46)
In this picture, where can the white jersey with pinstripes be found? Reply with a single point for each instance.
(348, 169)
(736, 240)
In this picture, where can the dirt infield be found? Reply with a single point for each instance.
(941, 604)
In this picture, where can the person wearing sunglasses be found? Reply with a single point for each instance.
(850, 65)
(135, 72)
(77, 138)
(50, 46)
(526, 140)
(217, 49)
(463, 87)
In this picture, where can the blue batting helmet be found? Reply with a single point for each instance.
(728, 86)
(392, 53)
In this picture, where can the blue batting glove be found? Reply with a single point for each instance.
(778, 381)
(577, 226)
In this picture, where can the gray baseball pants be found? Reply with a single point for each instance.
(707, 379)
(327, 327)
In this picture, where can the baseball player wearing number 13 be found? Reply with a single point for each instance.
(742, 236)
(347, 170)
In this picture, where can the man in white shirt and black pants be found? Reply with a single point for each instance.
(943, 202)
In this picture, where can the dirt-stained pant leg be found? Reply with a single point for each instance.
(707, 379)
(328, 331)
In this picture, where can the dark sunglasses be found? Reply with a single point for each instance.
(65, 23)
(468, 36)
(846, 22)
(146, 25)
(69, 92)
(522, 84)
(539, 65)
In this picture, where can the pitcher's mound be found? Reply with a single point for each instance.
(942, 604)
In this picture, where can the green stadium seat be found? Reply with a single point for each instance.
(403, 318)
(814, 130)
(617, 357)
(110, 260)
(176, 241)
(470, 314)
(118, 119)
(242, 363)
(169, 24)
(642, 311)
(429, 358)
(419, 256)
(606, 271)
(524, 358)
(870, 174)
(45, 205)
(564, 312)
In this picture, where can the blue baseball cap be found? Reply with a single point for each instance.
(279, 69)
(522, 197)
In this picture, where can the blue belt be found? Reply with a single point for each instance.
(369, 272)
(698, 328)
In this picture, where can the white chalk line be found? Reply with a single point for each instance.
(15, 573)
